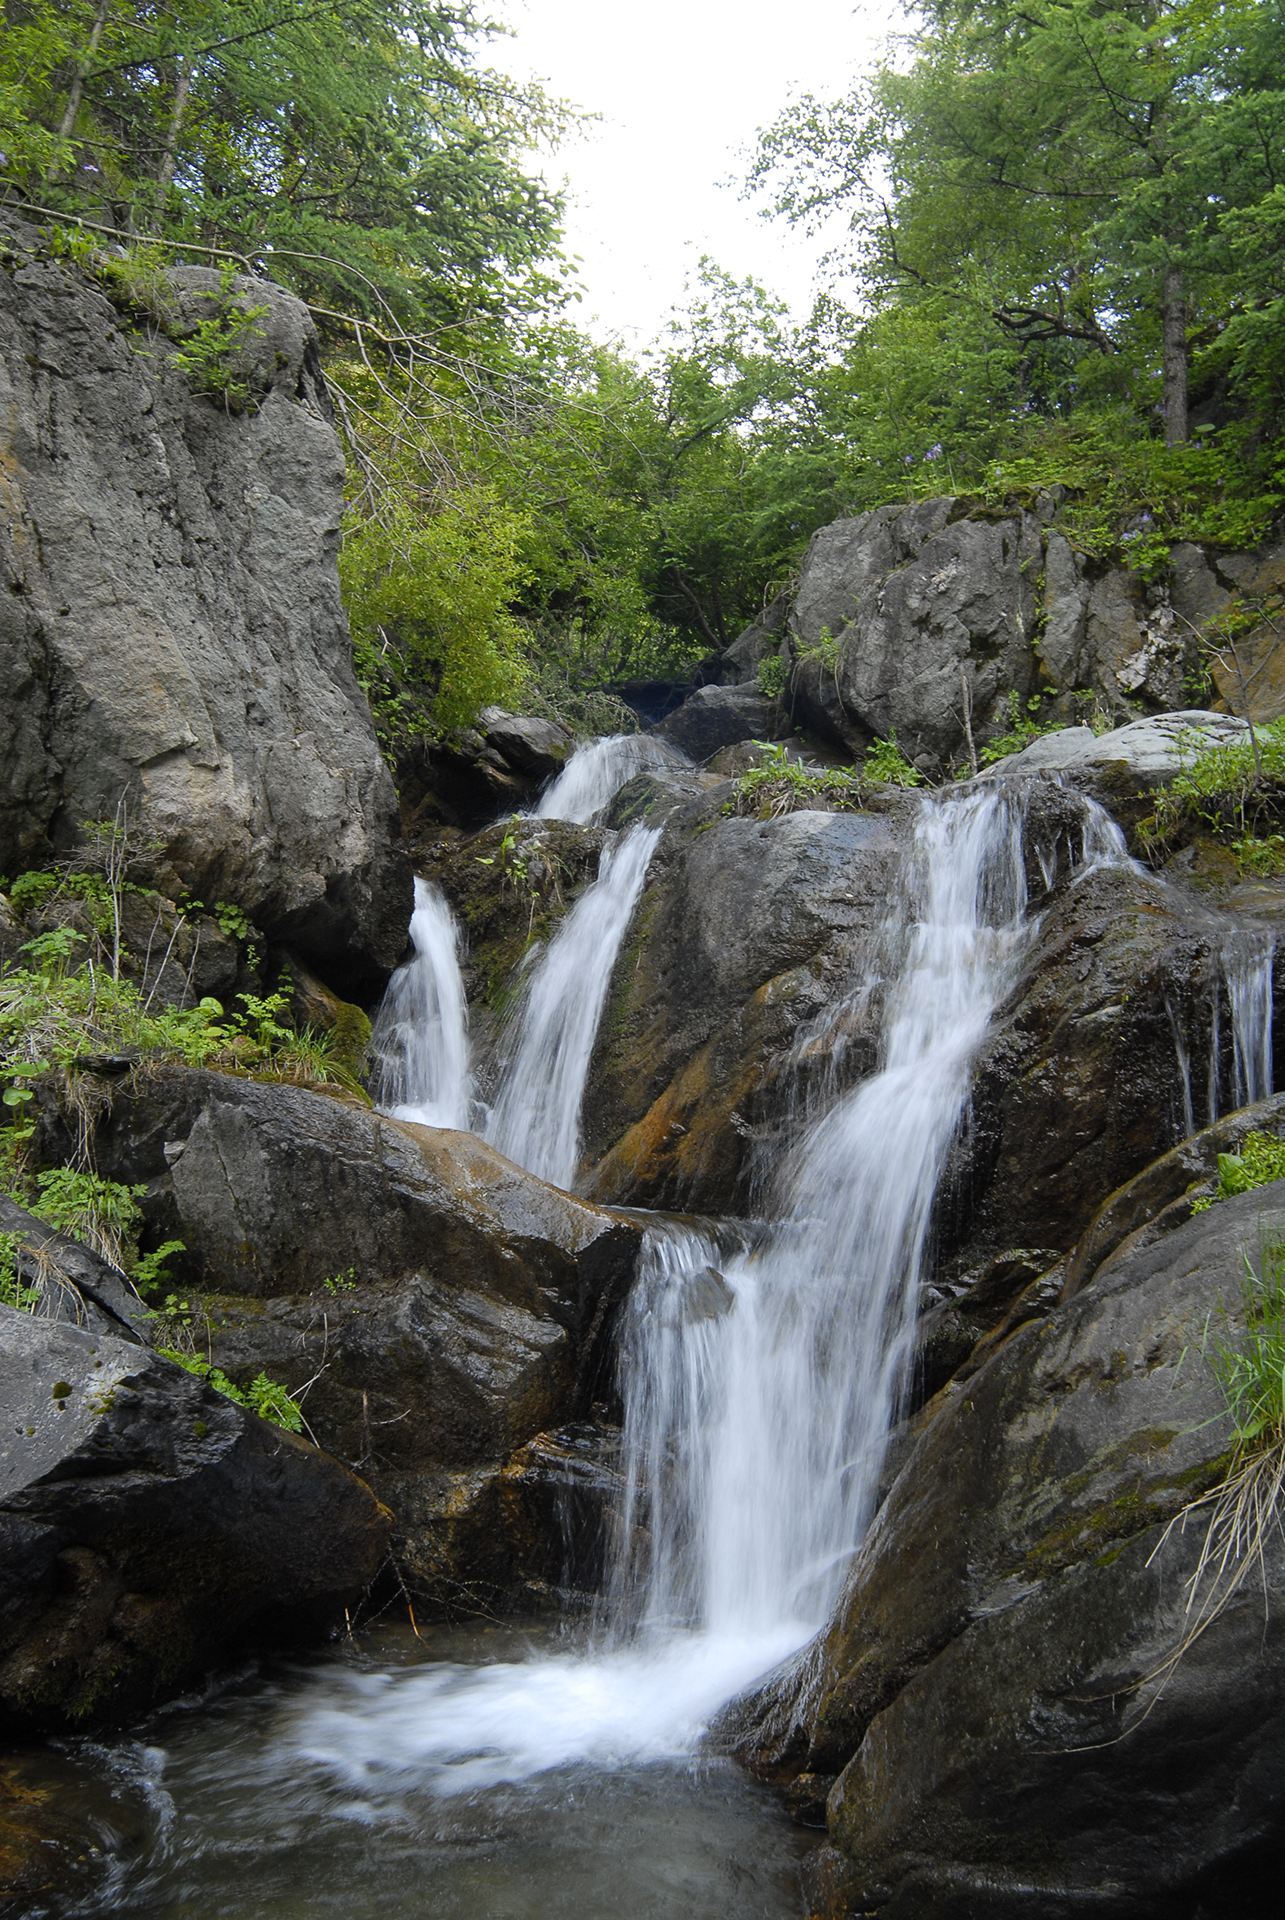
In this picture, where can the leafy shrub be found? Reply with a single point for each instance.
(102, 1213)
(773, 673)
(1223, 790)
(885, 761)
(1261, 1160)
(780, 785)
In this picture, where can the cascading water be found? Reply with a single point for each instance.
(594, 775)
(759, 1389)
(535, 1119)
(759, 1383)
(420, 1037)
(1242, 990)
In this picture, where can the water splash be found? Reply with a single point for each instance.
(594, 775)
(420, 1036)
(535, 1119)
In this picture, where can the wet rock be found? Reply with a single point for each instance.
(467, 778)
(993, 1693)
(745, 932)
(441, 1306)
(174, 630)
(1161, 1197)
(1079, 1083)
(1005, 1293)
(148, 1525)
(715, 717)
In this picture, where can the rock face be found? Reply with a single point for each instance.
(447, 1307)
(477, 773)
(746, 930)
(714, 717)
(912, 617)
(991, 1711)
(1080, 1083)
(1151, 751)
(148, 1525)
(171, 629)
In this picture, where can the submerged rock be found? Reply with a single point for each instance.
(149, 1527)
(994, 1709)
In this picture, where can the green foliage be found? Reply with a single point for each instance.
(1224, 790)
(779, 785)
(210, 355)
(357, 149)
(1023, 728)
(268, 1398)
(150, 1270)
(102, 1213)
(773, 675)
(1261, 1160)
(1249, 1362)
(885, 761)
(12, 1292)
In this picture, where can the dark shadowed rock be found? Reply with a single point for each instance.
(172, 628)
(715, 717)
(533, 746)
(987, 1709)
(148, 1525)
(446, 1307)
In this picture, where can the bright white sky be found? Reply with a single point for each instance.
(681, 87)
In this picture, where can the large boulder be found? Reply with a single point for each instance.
(171, 629)
(715, 717)
(1102, 1058)
(149, 1525)
(745, 932)
(932, 617)
(994, 1716)
(442, 1307)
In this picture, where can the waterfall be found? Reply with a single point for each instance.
(535, 1119)
(760, 1370)
(594, 775)
(759, 1388)
(420, 1036)
(1247, 957)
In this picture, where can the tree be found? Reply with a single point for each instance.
(355, 145)
(1064, 168)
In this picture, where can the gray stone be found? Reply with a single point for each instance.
(900, 610)
(716, 717)
(171, 629)
(147, 1523)
(1152, 750)
(531, 745)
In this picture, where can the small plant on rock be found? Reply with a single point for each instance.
(779, 785)
(885, 761)
(1261, 1159)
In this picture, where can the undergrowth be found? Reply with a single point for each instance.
(1248, 1362)
(1261, 1160)
(1237, 789)
(780, 785)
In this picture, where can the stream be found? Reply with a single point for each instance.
(521, 1770)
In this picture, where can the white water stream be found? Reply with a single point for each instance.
(759, 1380)
(420, 1037)
(535, 1118)
(594, 775)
